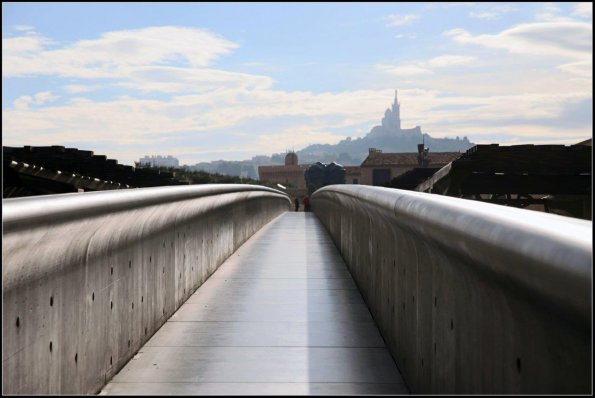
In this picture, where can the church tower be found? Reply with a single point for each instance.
(391, 122)
(397, 112)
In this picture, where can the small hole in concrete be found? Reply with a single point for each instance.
(76, 358)
(133, 305)
(434, 348)
(51, 346)
(180, 275)
(422, 362)
(163, 243)
(129, 264)
(414, 299)
(150, 258)
(518, 365)
(142, 298)
(93, 296)
(110, 360)
(435, 301)
(18, 322)
(111, 304)
(128, 343)
(452, 325)
(51, 301)
(112, 270)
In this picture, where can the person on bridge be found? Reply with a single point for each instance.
(306, 203)
(297, 203)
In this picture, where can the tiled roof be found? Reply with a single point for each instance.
(352, 170)
(408, 159)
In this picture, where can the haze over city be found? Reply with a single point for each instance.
(233, 80)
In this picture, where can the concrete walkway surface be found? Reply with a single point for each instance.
(282, 316)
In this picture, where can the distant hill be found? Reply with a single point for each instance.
(354, 152)
(389, 137)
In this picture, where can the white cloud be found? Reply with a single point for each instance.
(23, 28)
(427, 67)
(128, 122)
(402, 36)
(400, 19)
(404, 70)
(445, 61)
(107, 56)
(583, 10)
(133, 122)
(79, 88)
(22, 102)
(171, 79)
(44, 97)
(484, 15)
(550, 13)
(23, 47)
(581, 68)
(555, 39)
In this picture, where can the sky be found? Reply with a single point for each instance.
(209, 81)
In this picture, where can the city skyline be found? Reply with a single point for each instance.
(204, 82)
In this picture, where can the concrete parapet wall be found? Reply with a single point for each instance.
(470, 297)
(88, 278)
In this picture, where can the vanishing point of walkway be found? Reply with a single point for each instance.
(281, 316)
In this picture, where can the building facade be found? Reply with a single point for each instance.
(380, 168)
(159, 161)
(290, 175)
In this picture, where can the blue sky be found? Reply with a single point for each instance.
(207, 81)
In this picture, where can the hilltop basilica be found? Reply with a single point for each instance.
(391, 123)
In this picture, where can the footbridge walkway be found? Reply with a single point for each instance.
(220, 289)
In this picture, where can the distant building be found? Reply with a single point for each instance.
(159, 161)
(291, 174)
(380, 168)
(352, 175)
(391, 123)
